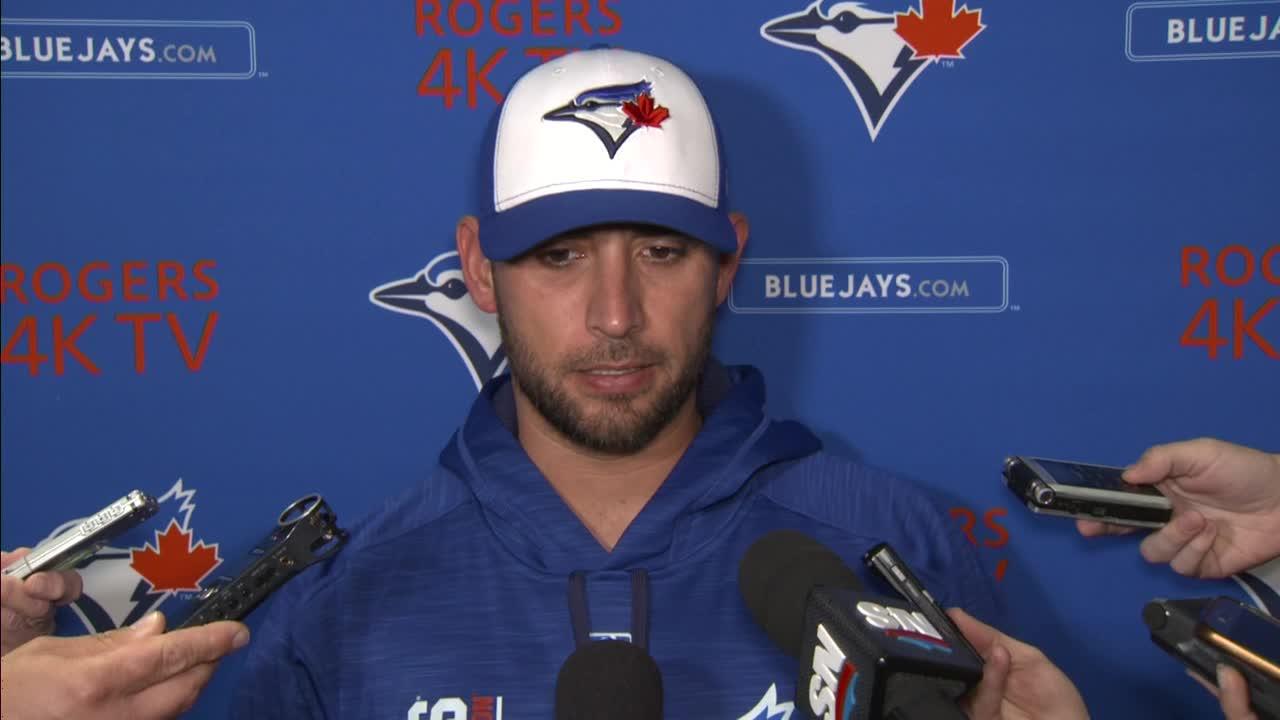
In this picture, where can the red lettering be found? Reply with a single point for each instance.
(37, 282)
(545, 53)
(131, 281)
(422, 17)
(210, 284)
(442, 63)
(1002, 535)
(496, 21)
(1196, 266)
(615, 21)
(576, 10)
(477, 17)
(32, 357)
(1227, 252)
(539, 15)
(1208, 313)
(969, 520)
(1268, 265)
(82, 281)
(1240, 327)
(15, 285)
(139, 321)
(194, 362)
(482, 77)
(169, 277)
(483, 707)
(66, 344)
(1001, 568)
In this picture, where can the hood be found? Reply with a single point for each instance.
(703, 493)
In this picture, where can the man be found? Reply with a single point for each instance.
(611, 484)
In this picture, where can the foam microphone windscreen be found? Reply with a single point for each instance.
(775, 577)
(609, 679)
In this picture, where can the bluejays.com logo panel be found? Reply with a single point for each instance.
(127, 49)
(871, 285)
(1156, 31)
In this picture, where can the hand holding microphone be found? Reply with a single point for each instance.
(860, 655)
(1018, 681)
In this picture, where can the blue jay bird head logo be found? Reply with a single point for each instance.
(613, 112)
(877, 54)
(769, 708)
(438, 294)
(142, 568)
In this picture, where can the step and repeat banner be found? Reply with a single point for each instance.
(978, 229)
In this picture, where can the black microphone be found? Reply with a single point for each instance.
(861, 656)
(609, 679)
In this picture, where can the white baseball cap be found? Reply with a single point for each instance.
(603, 136)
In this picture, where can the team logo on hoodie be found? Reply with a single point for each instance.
(477, 707)
(146, 566)
(437, 293)
(769, 708)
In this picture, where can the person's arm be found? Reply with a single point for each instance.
(27, 605)
(138, 672)
(1226, 507)
(1018, 681)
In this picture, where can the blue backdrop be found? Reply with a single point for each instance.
(1064, 213)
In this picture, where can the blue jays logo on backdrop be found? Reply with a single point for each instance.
(146, 566)
(440, 295)
(877, 54)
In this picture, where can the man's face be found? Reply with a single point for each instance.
(607, 329)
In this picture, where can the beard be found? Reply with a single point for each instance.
(625, 424)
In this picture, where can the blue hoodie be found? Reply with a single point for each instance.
(455, 600)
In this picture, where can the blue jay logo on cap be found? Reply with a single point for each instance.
(613, 112)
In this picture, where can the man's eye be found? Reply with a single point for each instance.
(664, 252)
(557, 257)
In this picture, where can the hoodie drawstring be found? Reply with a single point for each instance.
(580, 614)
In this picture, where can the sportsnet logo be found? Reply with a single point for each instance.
(144, 567)
(920, 640)
(878, 54)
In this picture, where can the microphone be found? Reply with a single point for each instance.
(609, 679)
(872, 657)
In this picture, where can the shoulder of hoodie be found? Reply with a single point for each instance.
(845, 493)
(429, 503)
(854, 499)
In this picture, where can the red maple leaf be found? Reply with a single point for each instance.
(644, 112)
(939, 30)
(174, 564)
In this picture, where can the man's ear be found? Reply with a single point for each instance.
(477, 270)
(729, 261)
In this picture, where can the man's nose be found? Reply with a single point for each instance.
(614, 308)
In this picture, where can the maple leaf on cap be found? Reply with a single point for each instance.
(174, 564)
(644, 112)
(939, 30)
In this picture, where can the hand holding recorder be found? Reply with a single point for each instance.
(139, 672)
(1226, 507)
(27, 605)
